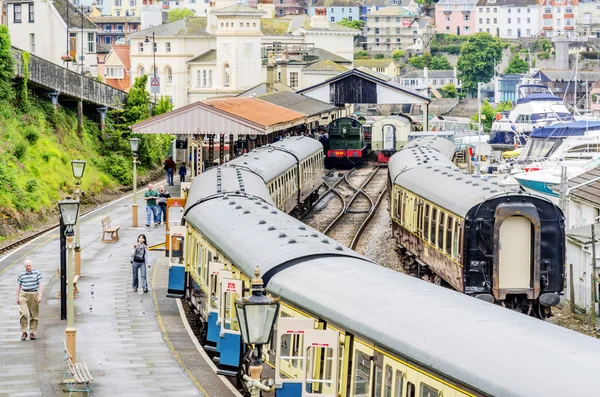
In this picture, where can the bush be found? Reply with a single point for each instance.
(20, 149)
(543, 55)
(362, 54)
(31, 134)
(398, 54)
(31, 185)
(590, 54)
(379, 56)
(118, 168)
(453, 49)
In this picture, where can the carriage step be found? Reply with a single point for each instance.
(357, 211)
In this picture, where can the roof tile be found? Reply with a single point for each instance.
(255, 110)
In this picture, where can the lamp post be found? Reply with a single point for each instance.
(78, 167)
(69, 211)
(256, 315)
(153, 60)
(134, 143)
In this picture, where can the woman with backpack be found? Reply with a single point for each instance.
(140, 257)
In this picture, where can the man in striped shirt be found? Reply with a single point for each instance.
(29, 296)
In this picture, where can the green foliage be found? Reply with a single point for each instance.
(517, 65)
(351, 24)
(488, 114)
(590, 54)
(31, 134)
(180, 13)
(99, 78)
(362, 54)
(440, 62)
(164, 105)
(23, 90)
(7, 65)
(447, 38)
(543, 55)
(398, 54)
(478, 56)
(19, 149)
(379, 56)
(420, 61)
(449, 91)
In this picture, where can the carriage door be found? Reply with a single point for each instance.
(289, 355)
(213, 330)
(321, 363)
(389, 137)
(515, 253)
(176, 287)
(229, 337)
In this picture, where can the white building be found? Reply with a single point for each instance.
(588, 20)
(40, 27)
(423, 80)
(226, 53)
(509, 19)
(558, 16)
(580, 259)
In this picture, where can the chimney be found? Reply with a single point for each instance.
(426, 73)
(284, 67)
(319, 20)
(271, 73)
(455, 74)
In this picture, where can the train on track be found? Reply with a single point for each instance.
(347, 142)
(495, 243)
(347, 326)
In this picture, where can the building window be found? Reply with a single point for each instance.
(388, 19)
(114, 73)
(141, 71)
(17, 13)
(376, 19)
(118, 13)
(495, 9)
(528, 20)
(480, 9)
(350, 18)
(118, 3)
(332, 19)
(495, 21)
(467, 29)
(547, 10)
(397, 19)
(518, 20)
(508, 20)
(31, 19)
(448, 19)
(294, 79)
(342, 9)
(132, 3)
(91, 47)
(155, 46)
(447, 29)
(198, 79)
(487, 21)
(107, 40)
(169, 75)
(547, 22)
(558, 22)
(529, 10)
(204, 79)
(32, 42)
(509, 10)
(467, 17)
(226, 75)
(167, 47)
(481, 21)
(141, 46)
(380, 70)
(568, 10)
(528, 32)
(487, 9)
(210, 78)
(509, 32)
(558, 10)
(568, 22)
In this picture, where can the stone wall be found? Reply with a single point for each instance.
(68, 82)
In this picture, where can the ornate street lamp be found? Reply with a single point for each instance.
(134, 143)
(69, 212)
(78, 168)
(256, 315)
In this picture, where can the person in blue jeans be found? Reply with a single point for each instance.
(139, 259)
(169, 166)
(151, 206)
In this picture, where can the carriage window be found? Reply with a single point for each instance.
(199, 258)
(456, 239)
(433, 225)
(441, 231)
(428, 391)
(449, 221)
(410, 390)
(404, 213)
(388, 381)
(399, 379)
(426, 222)
(362, 373)
(378, 375)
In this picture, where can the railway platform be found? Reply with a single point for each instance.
(134, 344)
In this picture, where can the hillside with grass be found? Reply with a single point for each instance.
(38, 142)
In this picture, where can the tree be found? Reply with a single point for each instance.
(351, 24)
(449, 91)
(398, 54)
(379, 56)
(136, 109)
(180, 13)
(7, 65)
(488, 114)
(362, 54)
(517, 65)
(439, 62)
(420, 61)
(478, 56)
(164, 105)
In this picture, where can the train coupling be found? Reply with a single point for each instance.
(549, 299)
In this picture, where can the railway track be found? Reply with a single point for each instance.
(357, 195)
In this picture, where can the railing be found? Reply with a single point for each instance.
(68, 82)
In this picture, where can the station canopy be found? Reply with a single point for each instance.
(231, 115)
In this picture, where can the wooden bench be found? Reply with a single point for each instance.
(75, 280)
(107, 229)
(77, 377)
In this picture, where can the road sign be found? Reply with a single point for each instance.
(155, 85)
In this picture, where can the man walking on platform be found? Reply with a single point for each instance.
(29, 296)
(151, 207)
(169, 166)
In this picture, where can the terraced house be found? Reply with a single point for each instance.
(558, 16)
(508, 19)
(455, 16)
(397, 27)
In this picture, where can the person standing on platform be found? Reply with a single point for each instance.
(169, 166)
(163, 195)
(29, 296)
(139, 259)
(182, 172)
(151, 207)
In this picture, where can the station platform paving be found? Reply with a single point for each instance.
(134, 344)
